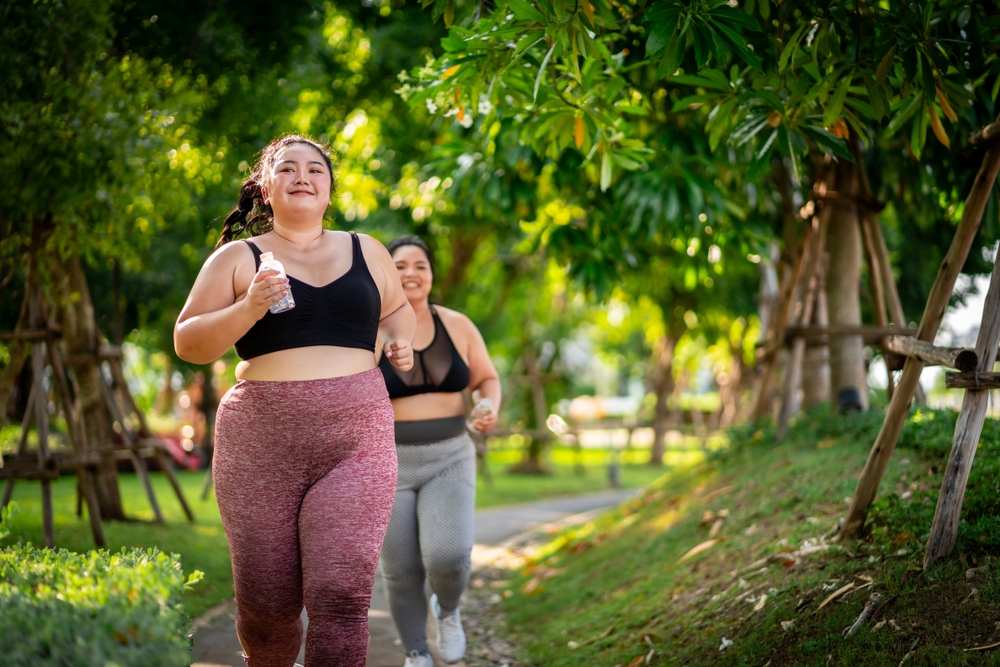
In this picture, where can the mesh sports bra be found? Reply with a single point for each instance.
(343, 313)
(438, 368)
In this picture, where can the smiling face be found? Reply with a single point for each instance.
(414, 272)
(298, 182)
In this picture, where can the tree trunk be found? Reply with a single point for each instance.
(663, 387)
(532, 462)
(80, 337)
(816, 370)
(18, 350)
(843, 293)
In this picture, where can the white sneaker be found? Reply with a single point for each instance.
(450, 636)
(415, 659)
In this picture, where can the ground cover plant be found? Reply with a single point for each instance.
(98, 608)
(730, 561)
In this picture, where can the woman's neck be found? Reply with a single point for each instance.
(300, 235)
(421, 308)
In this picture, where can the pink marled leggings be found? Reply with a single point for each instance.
(305, 474)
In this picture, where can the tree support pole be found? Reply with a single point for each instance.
(793, 374)
(968, 428)
(937, 303)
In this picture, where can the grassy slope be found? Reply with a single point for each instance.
(202, 546)
(610, 592)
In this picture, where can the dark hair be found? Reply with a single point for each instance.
(398, 243)
(251, 214)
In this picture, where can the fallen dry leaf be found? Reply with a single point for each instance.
(716, 527)
(708, 544)
(635, 661)
(718, 492)
(760, 602)
(823, 444)
(834, 595)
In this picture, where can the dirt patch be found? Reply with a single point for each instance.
(485, 621)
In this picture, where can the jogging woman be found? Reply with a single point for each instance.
(431, 532)
(305, 463)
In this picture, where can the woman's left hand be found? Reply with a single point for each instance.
(400, 354)
(487, 423)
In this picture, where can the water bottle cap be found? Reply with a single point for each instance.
(265, 256)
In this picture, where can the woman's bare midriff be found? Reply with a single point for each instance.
(428, 406)
(317, 362)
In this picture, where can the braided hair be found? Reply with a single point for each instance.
(251, 214)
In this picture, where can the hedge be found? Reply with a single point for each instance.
(96, 609)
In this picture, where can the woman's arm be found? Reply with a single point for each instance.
(213, 319)
(397, 324)
(483, 376)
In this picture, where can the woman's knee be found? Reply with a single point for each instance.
(447, 563)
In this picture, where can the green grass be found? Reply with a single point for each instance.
(613, 590)
(202, 545)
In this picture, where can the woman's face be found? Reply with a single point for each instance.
(298, 183)
(414, 272)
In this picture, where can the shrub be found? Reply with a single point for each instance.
(97, 609)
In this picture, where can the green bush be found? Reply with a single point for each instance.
(97, 609)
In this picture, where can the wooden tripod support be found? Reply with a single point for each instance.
(47, 464)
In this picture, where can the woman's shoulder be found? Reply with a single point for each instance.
(231, 253)
(454, 319)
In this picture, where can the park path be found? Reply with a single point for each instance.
(215, 643)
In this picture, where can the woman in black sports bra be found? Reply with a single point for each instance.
(431, 531)
(305, 461)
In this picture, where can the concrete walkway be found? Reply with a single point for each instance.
(215, 643)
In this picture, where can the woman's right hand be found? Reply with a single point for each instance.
(267, 289)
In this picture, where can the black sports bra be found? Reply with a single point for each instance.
(343, 313)
(438, 368)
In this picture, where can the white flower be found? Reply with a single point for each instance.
(726, 643)
(402, 76)
(465, 161)
(431, 106)
(484, 104)
(465, 121)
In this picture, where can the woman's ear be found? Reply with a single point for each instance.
(263, 195)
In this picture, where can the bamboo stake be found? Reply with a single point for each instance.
(776, 331)
(793, 375)
(969, 427)
(937, 303)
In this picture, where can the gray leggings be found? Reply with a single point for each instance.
(430, 533)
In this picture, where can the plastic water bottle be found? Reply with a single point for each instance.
(482, 409)
(267, 261)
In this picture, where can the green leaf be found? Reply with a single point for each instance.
(761, 159)
(832, 112)
(605, 169)
(702, 43)
(662, 31)
(828, 140)
(525, 11)
(672, 56)
(991, 22)
(702, 81)
(686, 102)
(529, 41)
(903, 115)
(883, 67)
(918, 133)
(740, 46)
(880, 105)
(735, 17)
(790, 48)
(541, 70)
(785, 145)
(632, 109)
